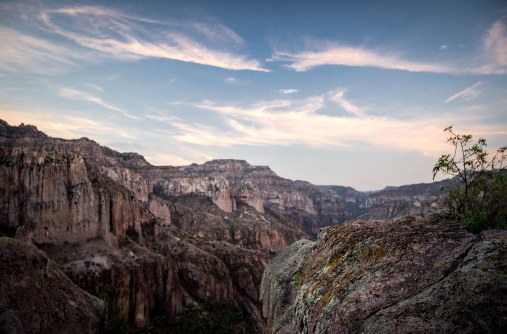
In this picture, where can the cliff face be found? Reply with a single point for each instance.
(47, 196)
(280, 284)
(129, 180)
(245, 227)
(36, 297)
(300, 201)
(417, 273)
(102, 237)
(216, 187)
(97, 216)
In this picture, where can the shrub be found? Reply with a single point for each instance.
(478, 198)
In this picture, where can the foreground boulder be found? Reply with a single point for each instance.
(36, 297)
(417, 274)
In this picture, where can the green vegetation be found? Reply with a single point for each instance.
(116, 320)
(479, 198)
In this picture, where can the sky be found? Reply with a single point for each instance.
(353, 93)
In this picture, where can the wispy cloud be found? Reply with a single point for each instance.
(326, 53)
(443, 47)
(94, 87)
(160, 118)
(342, 102)
(23, 53)
(64, 126)
(230, 80)
(73, 94)
(288, 122)
(123, 36)
(490, 57)
(468, 94)
(288, 91)
(495, 43)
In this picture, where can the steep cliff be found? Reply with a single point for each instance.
(36, 297)
(50, 196)
(105, 239)
(280, 284)
(299, 201)
(215, 187)
(416, 274)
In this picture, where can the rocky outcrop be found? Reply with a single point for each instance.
(280, 284)
(53, 197)
(160, 208)
(417, 273)
(250, 195)
(36, 297)
(129, 180)
(215, 187)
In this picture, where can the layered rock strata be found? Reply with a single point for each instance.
(36, 297)
(414, 274)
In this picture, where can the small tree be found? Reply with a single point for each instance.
(479, 198)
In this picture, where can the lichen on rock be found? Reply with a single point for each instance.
(418, 274)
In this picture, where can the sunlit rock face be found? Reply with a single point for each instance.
(414, 274)
(52, 197)
(160, 209)
(37, 297)
(299, 201)
(215, 187)
(129, 180)
(250, 195)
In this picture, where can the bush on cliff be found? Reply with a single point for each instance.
(479, 198)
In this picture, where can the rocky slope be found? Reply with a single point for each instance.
(99, 218)
(418, 274)
(36, 297)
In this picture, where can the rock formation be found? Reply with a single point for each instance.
(417, 273)
(280, 284)
(36, 297)
(299, 201)
(215, 187)
(104, 218)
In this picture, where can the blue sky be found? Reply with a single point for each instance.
(352, 93)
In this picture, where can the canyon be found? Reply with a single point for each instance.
(162, 241)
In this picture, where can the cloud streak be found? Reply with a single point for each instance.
(335, 54)
(73, 94)
(468, 94)
(342, 102)
(124, 37)
(490, 58)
